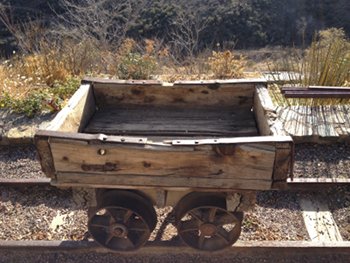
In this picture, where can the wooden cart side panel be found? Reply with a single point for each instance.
(260, 114)
(265, 113)
(109, 95)
(245, 166)
(44, 154)
(253, 161)
(283, 162)
(77, 113)
(145, 181)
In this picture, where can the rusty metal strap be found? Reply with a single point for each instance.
(89, 138)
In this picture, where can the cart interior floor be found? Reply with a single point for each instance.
(174, 121)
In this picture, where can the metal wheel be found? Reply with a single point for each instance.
(204, 223)
(123, 221)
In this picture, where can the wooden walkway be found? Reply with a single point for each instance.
(316, 123)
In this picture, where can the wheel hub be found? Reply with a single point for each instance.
(118, 230)
(208, 229)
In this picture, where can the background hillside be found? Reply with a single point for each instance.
(242, 24)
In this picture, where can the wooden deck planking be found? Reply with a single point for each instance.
(346, 111)
(316, 121)
(138, 120)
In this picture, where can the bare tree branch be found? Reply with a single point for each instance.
(26, 33)
(185, 36)
(104, 21)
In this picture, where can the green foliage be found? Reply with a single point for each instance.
(136, 66)
(133, 64)
(156, 19)
(65, 90)
(42, 99)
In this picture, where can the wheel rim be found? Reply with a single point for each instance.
(122, 228)
(209, 228)
(203, 222)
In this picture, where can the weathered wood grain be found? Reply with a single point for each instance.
(45, 155)
(283, 161)
(77, 113)
(142, 181)
(265, 113)
(108, 95)
(317, 124)
(319, 221)
(172, 121)
(248, 161)
(260, 111)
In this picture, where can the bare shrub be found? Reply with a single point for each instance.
(225, 65)
(185, 36)
(105, 22)
(27, 34)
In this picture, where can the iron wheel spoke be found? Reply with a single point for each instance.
(100, 221)
(225, 219)
(115, 215)
(137, 225)
(192, 214)
(109, 238)
(222, 234)
(188, 226)
(129, 243)
(127, 216)
(211, 215)
(201, 239)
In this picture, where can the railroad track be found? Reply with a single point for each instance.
(312, 184)
(249, 248)
(253, 249)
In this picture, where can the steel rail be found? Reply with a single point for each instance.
(312, 184)
(175, 247)
(22, 182)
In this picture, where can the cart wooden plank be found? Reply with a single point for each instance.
(253, 161)
(108, 95)
(75, 116)
(145, 182)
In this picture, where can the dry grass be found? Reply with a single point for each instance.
(325, 63)
(12, 82)
(225, 65)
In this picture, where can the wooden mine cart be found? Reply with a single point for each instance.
(203, 147)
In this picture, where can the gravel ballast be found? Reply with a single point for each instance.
(275, 216)
(41, 213)
(47, 213)
(19, 162)
(322, 161)
(338, 200)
